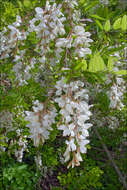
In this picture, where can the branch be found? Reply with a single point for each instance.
(122, 179)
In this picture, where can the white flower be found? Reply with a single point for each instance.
(38, 160)
(60, 100)
(58, 92)
(42, 59)
(64, 112)
(83, 51)
(62, 32)
(78, 157)
(68, 118)
(40, 122)
(39, 108)
(67, 130)
(67, 154)
(69, 109)
(81, 94)
(79, 30)
(47, 7)
(61, 42)
(83, 149)
(18, 21)
(75, 112)
(12, 28)
(115, 95)
(82, 119)
(39, 10)
(71, 144)
(87, 125)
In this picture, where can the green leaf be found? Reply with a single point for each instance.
(121, 72)
(2, 137)
(84, 65)
(124, 23)
(20, 4)
(107, 26)
(92, 4)
(27, 3)
(110, 63)
(82, 1)
(96, 63)
(81, 65)
(3, 144)
(22, 167)
(117, 24)
(99, 24)
(98, 17)
(78, 66)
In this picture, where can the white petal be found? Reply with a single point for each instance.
(66, 132)
(83, 149)
(39, 10)
(78, 157)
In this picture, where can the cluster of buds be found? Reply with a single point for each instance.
(72, 99)
(40, 122)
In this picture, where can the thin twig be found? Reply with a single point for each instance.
(122, 179)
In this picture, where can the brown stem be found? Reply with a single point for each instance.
(122, 179)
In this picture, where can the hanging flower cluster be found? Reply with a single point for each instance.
(40, 121)
(10, 38)
(38, 160)
(72, 99)
(118, 87)
(116, 94)
(49, 25)
(22, 145)
(49, 28)
(6, 119)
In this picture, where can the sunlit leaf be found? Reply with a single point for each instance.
(84, 65)
(124, 23)
(107, 26)
(121, 72)
(81, 65)
(27, 3)
(99, 24)
(97, 17)
(110, 63)
(117, 24)
(96, 63)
